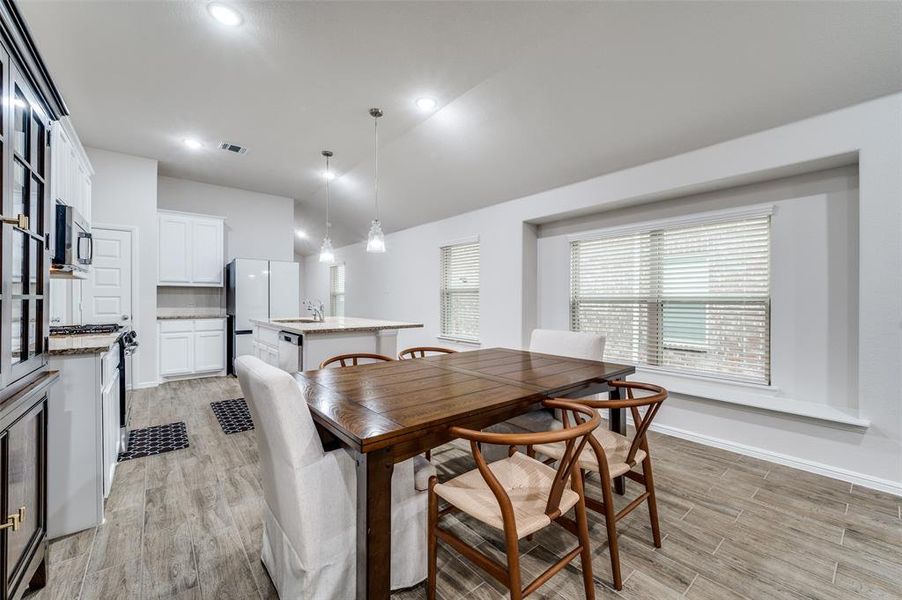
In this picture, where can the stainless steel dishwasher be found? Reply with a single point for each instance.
(291, 355)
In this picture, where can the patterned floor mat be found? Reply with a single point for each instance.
(233, 415)
(155, 440)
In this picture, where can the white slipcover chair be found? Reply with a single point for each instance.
(309, 521)
(573, 344)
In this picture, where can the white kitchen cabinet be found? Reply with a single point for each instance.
(209, 351)
(176, 354)
(191, 249)
(83, 439)
(175, 250)
(191, 347)
(110, 414)
(70, 169)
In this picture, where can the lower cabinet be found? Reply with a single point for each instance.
(23, 478)
(268, 354)
(192, 347)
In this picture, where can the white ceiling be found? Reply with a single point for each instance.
(532, 95)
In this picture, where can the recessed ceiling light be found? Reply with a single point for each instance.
(426, 104)
(224, 14)
(300, 233)
(328, 175)
(193, 144)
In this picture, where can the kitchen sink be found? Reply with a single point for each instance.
(296, 320)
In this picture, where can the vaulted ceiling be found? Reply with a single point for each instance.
(532, 95)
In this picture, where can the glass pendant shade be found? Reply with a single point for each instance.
(375, 241)
(326, 254)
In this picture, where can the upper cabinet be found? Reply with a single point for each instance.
(70, 170)
(192, 249)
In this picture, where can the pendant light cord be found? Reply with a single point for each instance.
(328, 196)
(376, 163)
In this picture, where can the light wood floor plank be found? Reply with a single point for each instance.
(188, 525)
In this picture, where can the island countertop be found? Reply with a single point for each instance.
(307, 326)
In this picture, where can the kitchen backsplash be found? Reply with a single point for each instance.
(179, 298)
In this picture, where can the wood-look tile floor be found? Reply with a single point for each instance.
(188, 525)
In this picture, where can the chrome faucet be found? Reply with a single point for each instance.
(317, 308)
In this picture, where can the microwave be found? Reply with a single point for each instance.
(73, 246)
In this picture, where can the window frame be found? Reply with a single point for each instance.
(695, 219)
(333, 295)
(446, 333)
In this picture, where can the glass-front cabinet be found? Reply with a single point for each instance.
(25, 241)
(30, 102)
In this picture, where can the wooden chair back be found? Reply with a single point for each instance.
(641, 422)
(352, 360)
(421, 351)
(574, 437)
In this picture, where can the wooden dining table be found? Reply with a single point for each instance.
(388, 412)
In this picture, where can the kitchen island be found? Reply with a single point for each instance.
(301, 343)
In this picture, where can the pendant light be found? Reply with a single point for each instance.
(375, 241)
(326, 254)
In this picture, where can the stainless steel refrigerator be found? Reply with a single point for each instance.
(258, 289)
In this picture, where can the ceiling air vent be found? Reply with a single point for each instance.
(229, 147)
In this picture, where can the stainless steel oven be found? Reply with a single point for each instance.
(73, 247)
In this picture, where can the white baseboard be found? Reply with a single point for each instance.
(868, 481)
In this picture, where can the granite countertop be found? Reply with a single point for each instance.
(190, 314)
(304, 326)
(90, 343)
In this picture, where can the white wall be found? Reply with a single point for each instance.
(125, 193)
(256, 226)
(814, 283)
(403, 284)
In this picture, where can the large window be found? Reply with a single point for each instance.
(460, 292)
(691, 298)
(337, 290)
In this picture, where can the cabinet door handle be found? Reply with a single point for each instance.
(20, 221)
(14, 520)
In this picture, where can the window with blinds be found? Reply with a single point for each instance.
(460, 292)
(337, 290)
(692, 298)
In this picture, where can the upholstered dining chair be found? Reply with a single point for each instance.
(611, 455)
(572, 344)
(309, 509)
(351, 360)
(519, 496)
(422, 352)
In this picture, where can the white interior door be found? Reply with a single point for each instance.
(107, 294)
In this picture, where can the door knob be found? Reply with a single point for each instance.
(125, 317)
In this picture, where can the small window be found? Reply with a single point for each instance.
(460, 292)
(337, 290)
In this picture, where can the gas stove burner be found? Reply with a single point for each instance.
(99, 328)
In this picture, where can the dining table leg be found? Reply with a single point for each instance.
(374, 471)
(617, 424)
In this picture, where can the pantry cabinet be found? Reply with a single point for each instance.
(192, 249)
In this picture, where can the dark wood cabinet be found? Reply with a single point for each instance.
(23, 488)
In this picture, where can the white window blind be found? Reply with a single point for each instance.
(688, 298)
(337, 290)
(460, 292)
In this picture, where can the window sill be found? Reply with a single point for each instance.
(754, 396)
(448, 338)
